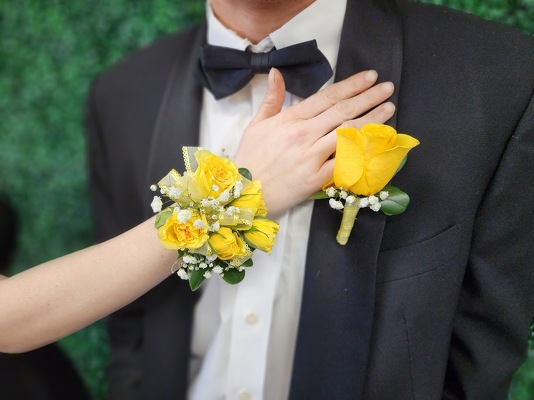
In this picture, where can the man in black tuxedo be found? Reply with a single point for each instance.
(434, 303)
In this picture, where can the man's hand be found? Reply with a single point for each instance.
(290, 151)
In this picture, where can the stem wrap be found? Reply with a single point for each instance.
(347, 222)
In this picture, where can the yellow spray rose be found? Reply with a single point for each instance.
(179, 234)
(227, 244)
(252, 198)
(367, 158)
(214, 174)
(262, 234)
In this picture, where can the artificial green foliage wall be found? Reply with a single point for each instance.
(518, 13)
(49, 53)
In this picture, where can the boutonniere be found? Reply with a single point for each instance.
(215, 218)
(366, 160)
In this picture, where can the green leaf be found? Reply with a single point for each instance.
(403, 161)
(396, 202)
(245, 173)
(195, 279)
(233, 276)
(318, 196)
(162, 218)
(248, 263)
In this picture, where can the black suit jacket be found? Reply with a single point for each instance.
(434, 303)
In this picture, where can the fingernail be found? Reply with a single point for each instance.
(272, 77)
(388, 87)
(389, 107)
(370, 76)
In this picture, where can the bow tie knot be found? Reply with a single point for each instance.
(259, 63)
(224, 71)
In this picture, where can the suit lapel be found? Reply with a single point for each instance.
(178, 120)
(339, 286)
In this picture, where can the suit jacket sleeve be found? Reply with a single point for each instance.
(125, 325)
(496, 305)
(139, 113)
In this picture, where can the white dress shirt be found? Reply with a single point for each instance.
(244, 335)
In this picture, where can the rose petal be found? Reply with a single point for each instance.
(349, 162)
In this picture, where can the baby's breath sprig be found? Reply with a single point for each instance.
(350, 204)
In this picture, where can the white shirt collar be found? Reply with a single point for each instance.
(322, 21)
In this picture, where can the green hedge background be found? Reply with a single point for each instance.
(49, 53)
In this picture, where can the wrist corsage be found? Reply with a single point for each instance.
(366, 160)
(215, 219)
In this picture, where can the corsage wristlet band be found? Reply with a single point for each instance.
(215, 218)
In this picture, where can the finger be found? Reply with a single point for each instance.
(325, 173)
(349, 109)
(325, 146)
(332, 94)
(378, 115)
(274, 97)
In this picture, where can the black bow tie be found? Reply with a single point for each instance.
(225, 71)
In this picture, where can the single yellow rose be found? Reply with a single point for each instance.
(180, 234)
(252, 198)
(227, 244)
(214, 174)
(262, 234)
(367, 158)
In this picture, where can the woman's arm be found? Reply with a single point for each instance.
(288, 151)
(54, 299)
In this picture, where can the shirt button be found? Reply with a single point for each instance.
(245, 394)
(252, 318)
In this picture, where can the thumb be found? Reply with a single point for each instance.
(274, 97)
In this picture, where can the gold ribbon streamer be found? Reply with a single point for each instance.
(189, 157)
(241, 220)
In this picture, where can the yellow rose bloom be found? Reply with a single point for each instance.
(178, 235)
(367, 158)
(262, 234)
(214, 174)
(252, 198)
(227, 244)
